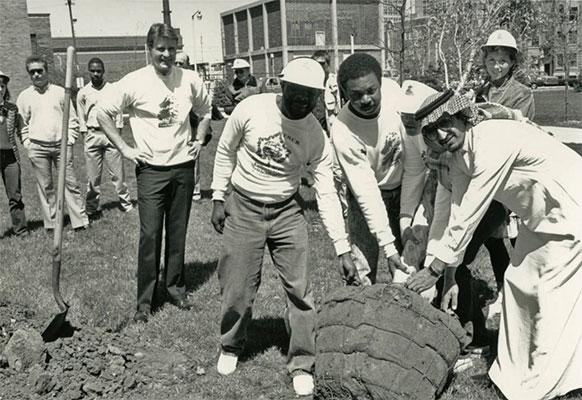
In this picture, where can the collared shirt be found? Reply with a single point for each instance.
(42, 114)
(87, 99)
(159, 107)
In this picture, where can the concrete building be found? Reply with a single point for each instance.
(270, 33)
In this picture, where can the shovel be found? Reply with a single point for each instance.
(57, 325)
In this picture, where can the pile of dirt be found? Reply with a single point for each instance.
(384, 342)
(91, 363)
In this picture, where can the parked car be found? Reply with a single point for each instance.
(270, 84)
(572, 75)
(540, 78)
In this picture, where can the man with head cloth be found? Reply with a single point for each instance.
(266, 145)
(158, 99)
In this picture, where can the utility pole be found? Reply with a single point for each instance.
(334, 35)
(166, 11)
(69, 4)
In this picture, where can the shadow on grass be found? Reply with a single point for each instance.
(264, 333)
(111, 205)
(197, 274)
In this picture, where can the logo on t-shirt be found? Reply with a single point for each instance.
(168, 112)
(392, 150)
(273, 148)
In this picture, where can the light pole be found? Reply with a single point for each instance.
(197, 15)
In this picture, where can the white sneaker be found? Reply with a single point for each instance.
(303, 384)
(226, 364)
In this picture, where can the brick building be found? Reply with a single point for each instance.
(269, 33)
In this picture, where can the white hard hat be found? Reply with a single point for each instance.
(305, 72)
(412, 95)
(239, 63)
(6, 77)
(501, 38)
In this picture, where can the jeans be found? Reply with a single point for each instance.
(42, 159)
(99, 149)
(164, 195)
(361, 236)
(11, 177)
(250, 226)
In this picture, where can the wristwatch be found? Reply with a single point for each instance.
(434, 272)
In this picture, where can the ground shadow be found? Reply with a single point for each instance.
(198, 273)
(264, 333)
(110, 205)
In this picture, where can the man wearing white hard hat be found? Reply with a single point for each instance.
(265, 147)
(243, 86)
(366, 137)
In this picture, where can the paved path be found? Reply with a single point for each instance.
(566, 135)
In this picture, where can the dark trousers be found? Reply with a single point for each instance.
(11, 177)
(469, 309)
(164, 195)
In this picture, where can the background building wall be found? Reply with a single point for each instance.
(14, 43)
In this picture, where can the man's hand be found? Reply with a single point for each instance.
(395, 263)
(425, 278)
(218, 216)
(450, 291)
(348, 269)
(194, 149)
(135, 156)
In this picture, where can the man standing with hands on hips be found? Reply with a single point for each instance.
(266, 145)
(159, 98)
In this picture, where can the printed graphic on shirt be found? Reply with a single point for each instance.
(273, 148)
(392, 150)
(168, 112)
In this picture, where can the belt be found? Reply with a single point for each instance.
(263, 204)
(43, 143)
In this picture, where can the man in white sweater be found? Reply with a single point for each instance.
(366, 137)
(158, 99)
(266, 145)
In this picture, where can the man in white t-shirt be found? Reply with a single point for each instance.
(158, 99)
(366, 137)
(267, 143)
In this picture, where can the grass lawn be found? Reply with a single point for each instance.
(550, 107)
(98, 281)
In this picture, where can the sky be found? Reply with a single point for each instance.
(134, 17)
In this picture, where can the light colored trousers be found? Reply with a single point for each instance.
(249, 227)
(42, 158)
(97, 150)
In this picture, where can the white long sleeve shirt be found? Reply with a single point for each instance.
(42, 113)
(522, 167)
(263, 154)
(369, 152)
(158, 107)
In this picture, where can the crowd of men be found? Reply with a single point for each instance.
(380, 146)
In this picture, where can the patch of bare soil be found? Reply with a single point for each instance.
(90, 363)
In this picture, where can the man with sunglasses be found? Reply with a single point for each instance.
(267, 143)
(243, 86)
(41, 106)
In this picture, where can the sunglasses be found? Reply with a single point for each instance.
(238, 71)
(39, 71)
(431, 131)
(178, 63)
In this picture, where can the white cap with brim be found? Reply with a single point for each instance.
(239, 63)
(500, 38)
(412, 95)
(5, 77)
(305, 72)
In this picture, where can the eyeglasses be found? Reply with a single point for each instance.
(178, 63)
(431, 131)
(39, 71)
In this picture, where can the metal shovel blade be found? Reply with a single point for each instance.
(56, 327)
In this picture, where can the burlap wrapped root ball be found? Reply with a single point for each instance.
(384, 342)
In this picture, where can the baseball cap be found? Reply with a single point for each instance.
(412, 95)
(304, 71)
